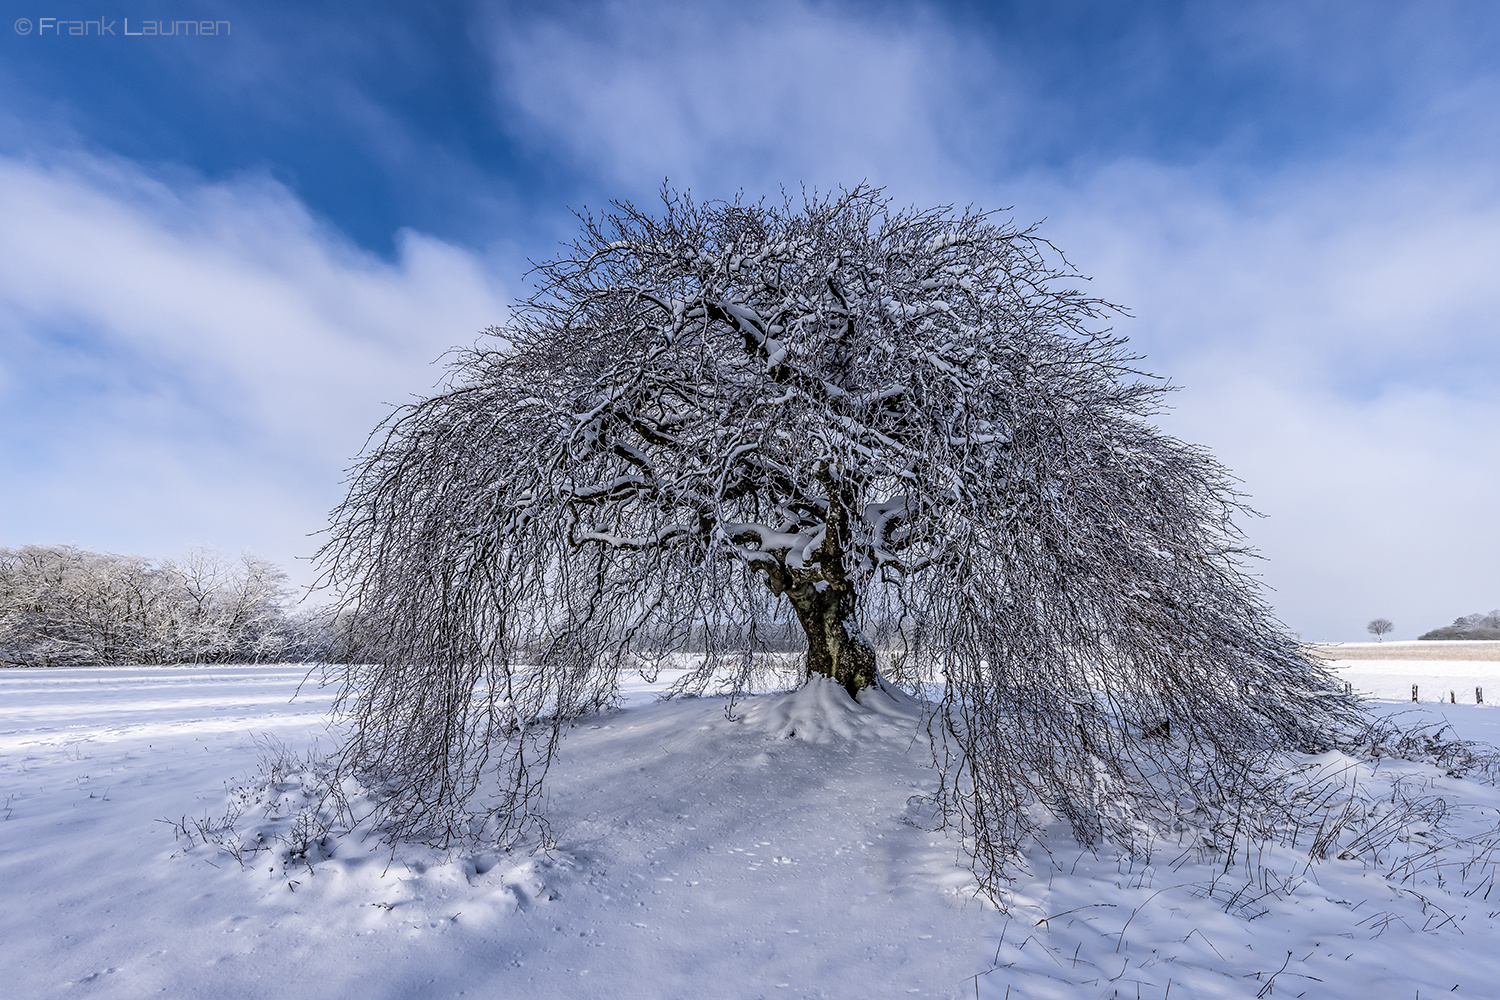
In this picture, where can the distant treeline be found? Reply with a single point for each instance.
(61, 605)
(1469, 627)
(66, 606)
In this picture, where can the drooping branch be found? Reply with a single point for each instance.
(834, 417)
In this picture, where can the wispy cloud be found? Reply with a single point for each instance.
(721, 96)
(201, 360)
(1336, 331)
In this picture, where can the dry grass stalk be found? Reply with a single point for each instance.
(1457, 650)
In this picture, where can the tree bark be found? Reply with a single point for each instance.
(833, 648)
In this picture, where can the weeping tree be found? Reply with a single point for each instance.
(725, 420)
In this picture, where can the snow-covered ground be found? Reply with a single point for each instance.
(1442, 671)
(698, 855)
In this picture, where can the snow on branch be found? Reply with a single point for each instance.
(734, 418)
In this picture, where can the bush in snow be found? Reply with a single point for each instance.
(730, 419)
(1476, 626)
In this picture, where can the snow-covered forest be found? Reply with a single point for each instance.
(65, 606)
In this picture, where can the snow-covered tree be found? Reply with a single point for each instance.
(62, 605)
(229, 610)
(1380, 627)
(730, 417)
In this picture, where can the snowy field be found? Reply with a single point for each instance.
(1441, 670)
(697, 856)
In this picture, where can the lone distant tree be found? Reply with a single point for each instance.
(731, 417)
(1380, 627)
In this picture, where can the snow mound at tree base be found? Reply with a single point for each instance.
(821, 711)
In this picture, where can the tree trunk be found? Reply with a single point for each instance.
(833, 649)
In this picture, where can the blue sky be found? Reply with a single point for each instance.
(221, 258)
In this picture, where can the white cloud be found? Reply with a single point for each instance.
(723, 95)
(1353, 268)
(1380, 506)
(196, 363)
(1337, 335)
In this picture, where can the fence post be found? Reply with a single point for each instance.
(1452, 698)
(1348, 688)
(1479, 696)
(1413, 692)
